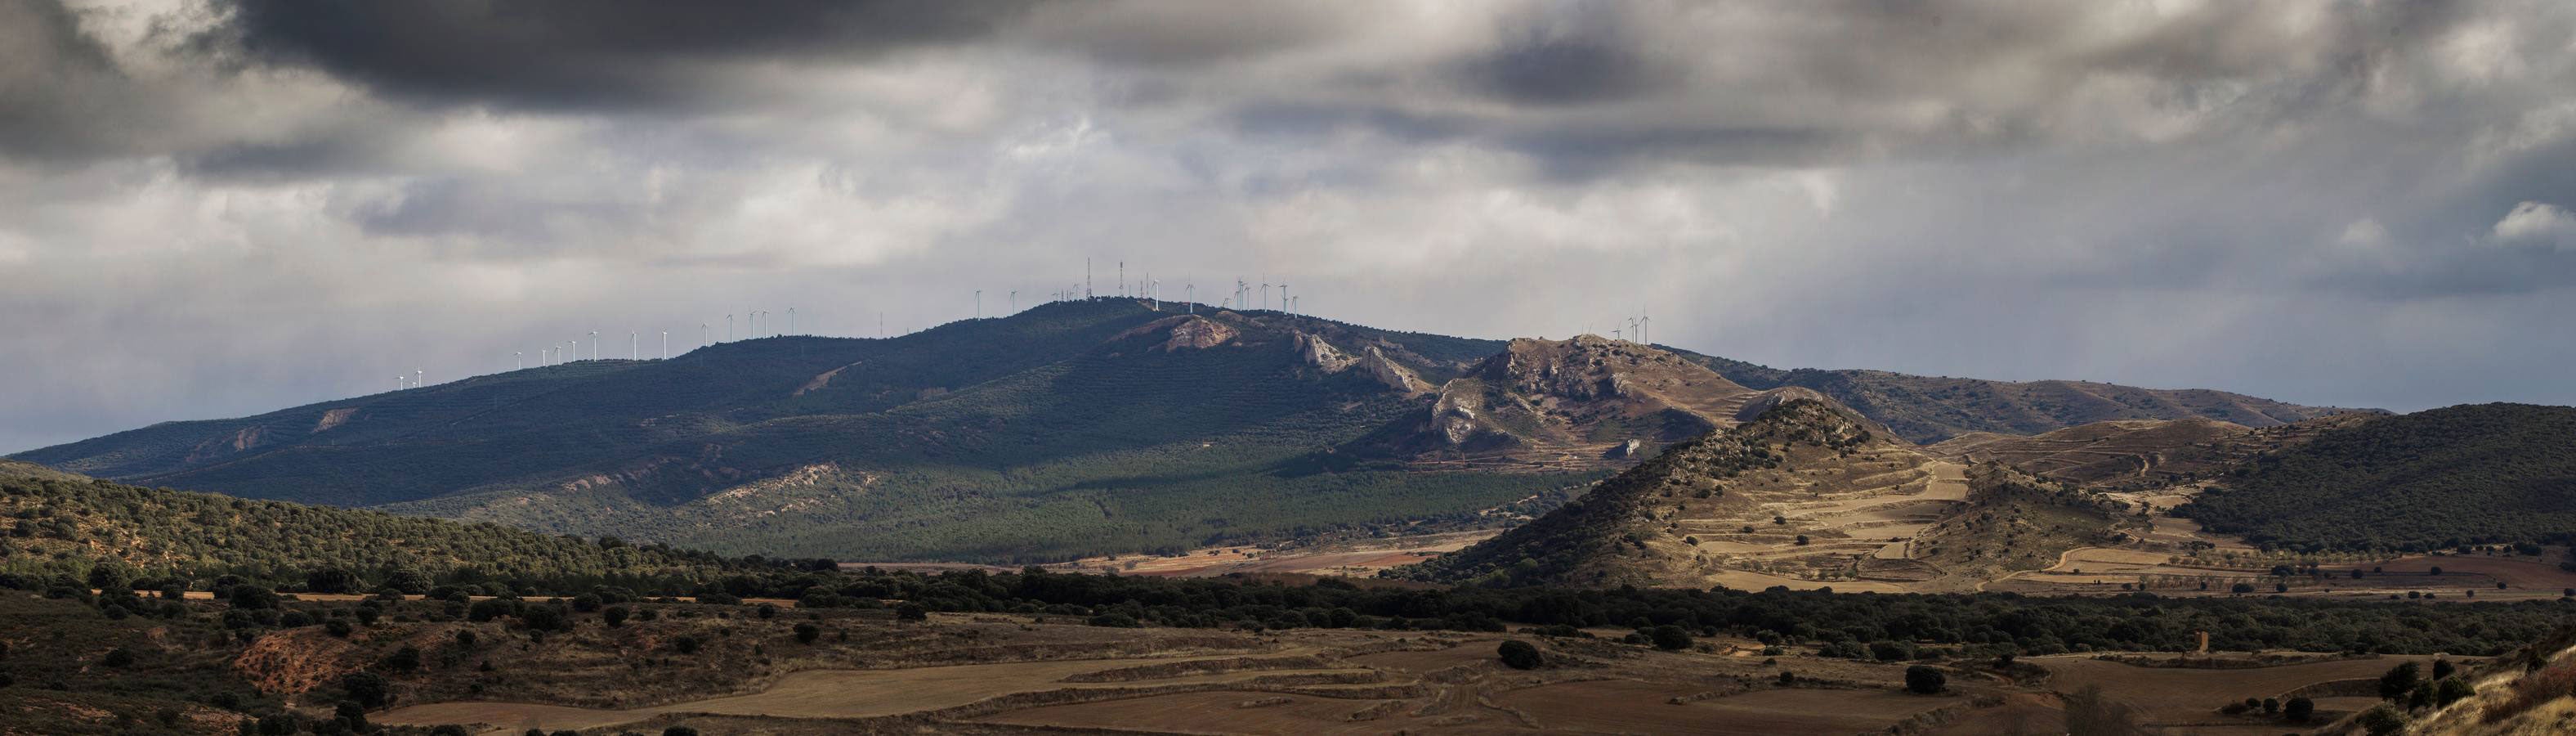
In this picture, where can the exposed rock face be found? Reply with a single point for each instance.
(1186, 332)
(1322, 354)
(1198, 333)
(1371, 362)
(334, 418)
(1394, 375)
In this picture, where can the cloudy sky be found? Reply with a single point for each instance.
(219, 208)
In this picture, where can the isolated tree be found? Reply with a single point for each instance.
(2271, 706)
(402, 660)
(2384, 721)
(613, 615)
(367, 689)
(1517, 654)
(247, 596)
(2442, 669)
(2398, 680)
(1925, 679)
(807, 633)
(2451, 690)
(1669, 637)
(2299, 709)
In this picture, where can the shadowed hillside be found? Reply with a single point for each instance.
(1931, 409)
(2136, 453)
(2474, 474)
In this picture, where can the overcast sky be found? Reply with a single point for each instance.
(219, 208)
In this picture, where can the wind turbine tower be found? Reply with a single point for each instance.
(979, 303)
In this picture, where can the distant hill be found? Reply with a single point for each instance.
(2135, 453)
(2476, 474)
(1103, 426)
(1927, 409)
(1807, 494)
(63, 524)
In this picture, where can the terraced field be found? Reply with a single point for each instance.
(1302, 682)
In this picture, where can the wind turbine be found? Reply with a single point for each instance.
(631, 352)
(1190, 294)
(979, 303)
(521, 358)
(791, 320)
(728, 328)
(416, 376)
(594, 344)
(1015, 301)
(702, 334)
(666, 344)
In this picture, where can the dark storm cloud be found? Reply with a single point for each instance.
(61, 95)
(2357, 203)
(572, 54)
(1580, 55)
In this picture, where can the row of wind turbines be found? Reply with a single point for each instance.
(758, 323)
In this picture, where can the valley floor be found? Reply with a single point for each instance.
(1335, 681)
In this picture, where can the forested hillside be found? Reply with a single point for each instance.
(2474, 474)
(58, 525)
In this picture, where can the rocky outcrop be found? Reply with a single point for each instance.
(1371, 362)
(1392, 374)
(1185, 332)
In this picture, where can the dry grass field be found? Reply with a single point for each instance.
(1299, 682)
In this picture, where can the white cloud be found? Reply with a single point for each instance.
(2538, 223)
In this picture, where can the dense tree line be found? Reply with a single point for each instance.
(1879, 626)
(2480, 474)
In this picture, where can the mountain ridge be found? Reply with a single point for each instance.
(1072, 428)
